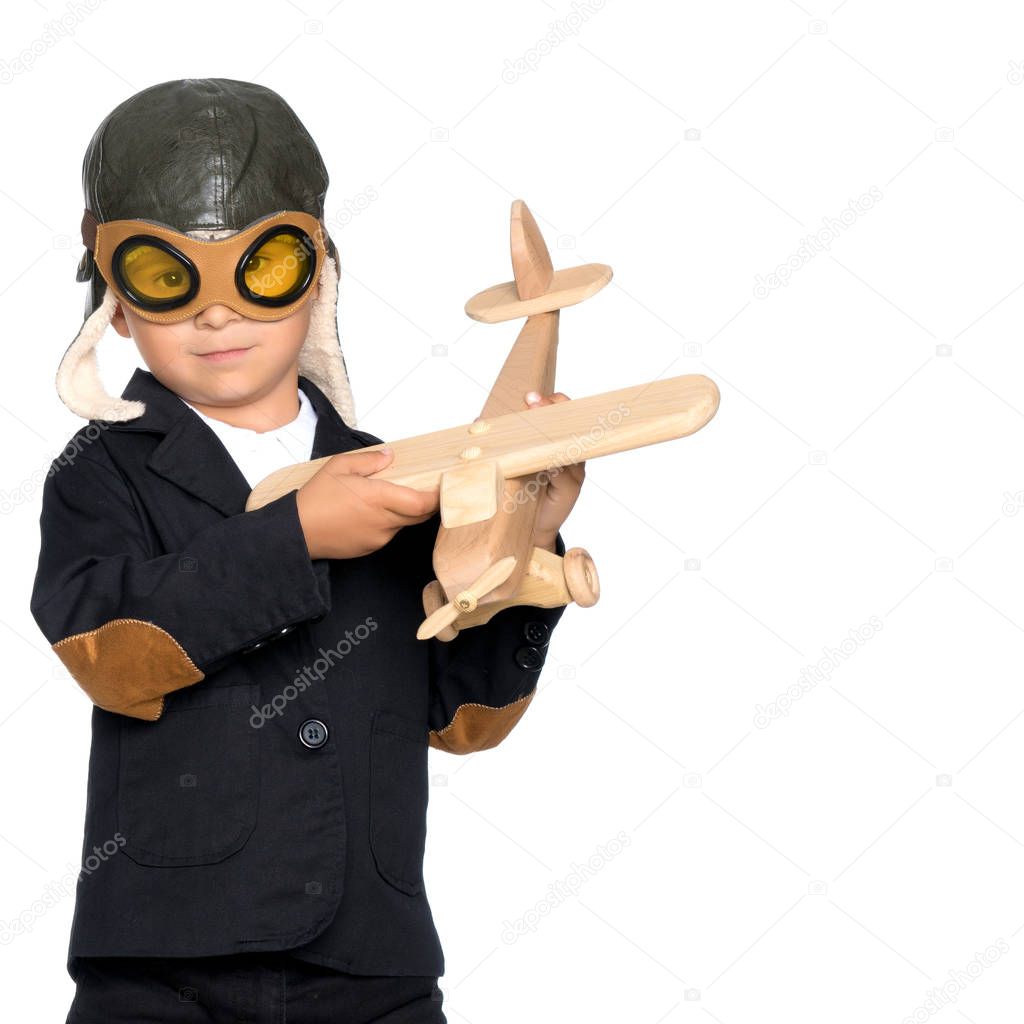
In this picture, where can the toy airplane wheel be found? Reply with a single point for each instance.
(581, 577)
(434, 598)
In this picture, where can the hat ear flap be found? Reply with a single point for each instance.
(321, 359)
(78, 376)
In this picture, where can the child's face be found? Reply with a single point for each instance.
(178, 354)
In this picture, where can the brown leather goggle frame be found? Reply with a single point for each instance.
(215, 264)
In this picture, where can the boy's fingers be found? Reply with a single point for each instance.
(404, 501)
(360, 463)
(535, 400)
(398, 520)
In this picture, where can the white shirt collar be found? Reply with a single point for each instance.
(258, 453)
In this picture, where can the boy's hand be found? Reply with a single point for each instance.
(563, 487)
(345, 515)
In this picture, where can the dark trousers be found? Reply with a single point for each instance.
(245, 988)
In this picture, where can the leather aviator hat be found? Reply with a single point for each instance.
(202, 191)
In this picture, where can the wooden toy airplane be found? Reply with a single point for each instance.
(493, 472)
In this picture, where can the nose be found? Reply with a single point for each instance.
(216, 316)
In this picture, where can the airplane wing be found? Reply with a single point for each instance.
(533, 440)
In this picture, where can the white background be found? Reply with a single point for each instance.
(836, 863)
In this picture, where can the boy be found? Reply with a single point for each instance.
(263, 709)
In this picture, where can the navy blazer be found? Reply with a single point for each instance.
(261, 720)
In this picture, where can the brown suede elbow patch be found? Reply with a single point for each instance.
(479, 727)
(127, 666)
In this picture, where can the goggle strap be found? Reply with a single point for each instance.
(89, 230)
(85, 266)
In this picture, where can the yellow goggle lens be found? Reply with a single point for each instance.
(154, 273)
(278, 267)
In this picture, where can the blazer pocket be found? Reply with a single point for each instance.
(398, 799)
(188, 784)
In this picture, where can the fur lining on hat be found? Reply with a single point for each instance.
(78, 376)
(320, 360)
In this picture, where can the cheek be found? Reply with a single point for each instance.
(291, 332)
(161, 340)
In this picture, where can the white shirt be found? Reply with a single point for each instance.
(257, 454)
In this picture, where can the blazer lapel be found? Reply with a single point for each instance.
(194, 458)
(332, 434)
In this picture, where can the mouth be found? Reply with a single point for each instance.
(223, 355)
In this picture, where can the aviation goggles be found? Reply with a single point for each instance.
(265, 271)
